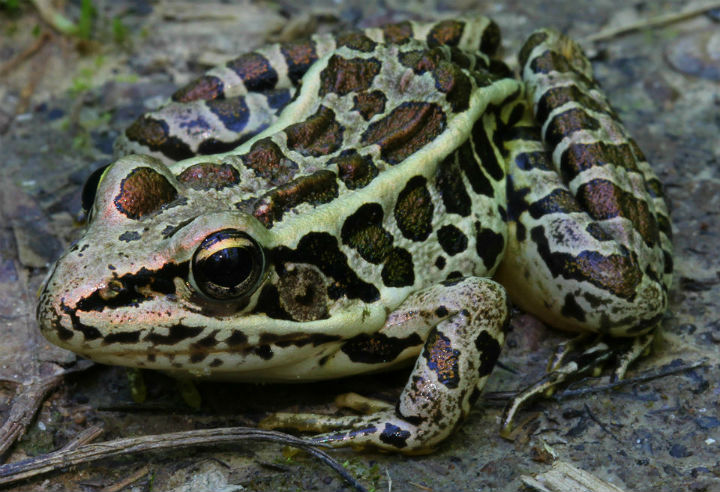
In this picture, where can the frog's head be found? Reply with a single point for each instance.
(171, 273)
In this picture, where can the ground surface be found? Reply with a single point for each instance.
(61, 108)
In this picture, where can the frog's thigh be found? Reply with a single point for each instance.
(589, 236)
(467, 319)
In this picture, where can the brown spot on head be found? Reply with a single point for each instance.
(342, 76)
(206, 88)
(447, 32)
(354, 170)
(408, 128)
(399, 33)
(318, 135)
(368, 104)
(209, 175)
(142, 192)
(303, 294)
(414, 210)
(319, 187)
(356, 40)
(267, 161)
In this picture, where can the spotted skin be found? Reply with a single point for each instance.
(368, 187)
(451, 367)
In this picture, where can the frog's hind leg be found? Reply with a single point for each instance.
(589, 243)
(463, 323)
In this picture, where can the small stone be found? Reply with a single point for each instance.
(679, 451)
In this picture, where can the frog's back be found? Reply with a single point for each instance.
(387, 156)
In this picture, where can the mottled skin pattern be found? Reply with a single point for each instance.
(358, 226)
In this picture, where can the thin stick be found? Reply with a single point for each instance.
(647, 376)
(85, 437)
(499, 397)
(29, 397)
(659, 20)
(53, 18)
(25, 54)
(127, 481)
(13, 472)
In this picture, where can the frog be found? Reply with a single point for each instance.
(358, 202)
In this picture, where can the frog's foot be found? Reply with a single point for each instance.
(463, 324)
(590, 361)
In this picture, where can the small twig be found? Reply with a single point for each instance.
(29, 397)
(13, 472)
(25, 54)
(124, 483)
(85, 437)
(36, 73)
(592, 417)
(501, 397)
(646, 376)
(659, 20)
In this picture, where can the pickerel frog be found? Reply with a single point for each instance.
(354, 203)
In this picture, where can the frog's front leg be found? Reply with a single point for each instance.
(463, 322)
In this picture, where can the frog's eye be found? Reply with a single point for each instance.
(90, 188)
(228, 264)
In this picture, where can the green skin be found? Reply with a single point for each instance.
(363, 228)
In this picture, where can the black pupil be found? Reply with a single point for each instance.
(228, 267)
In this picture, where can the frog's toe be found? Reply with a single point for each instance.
(309, 422)
(362, 404)
(384, 432)
(381, 430)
